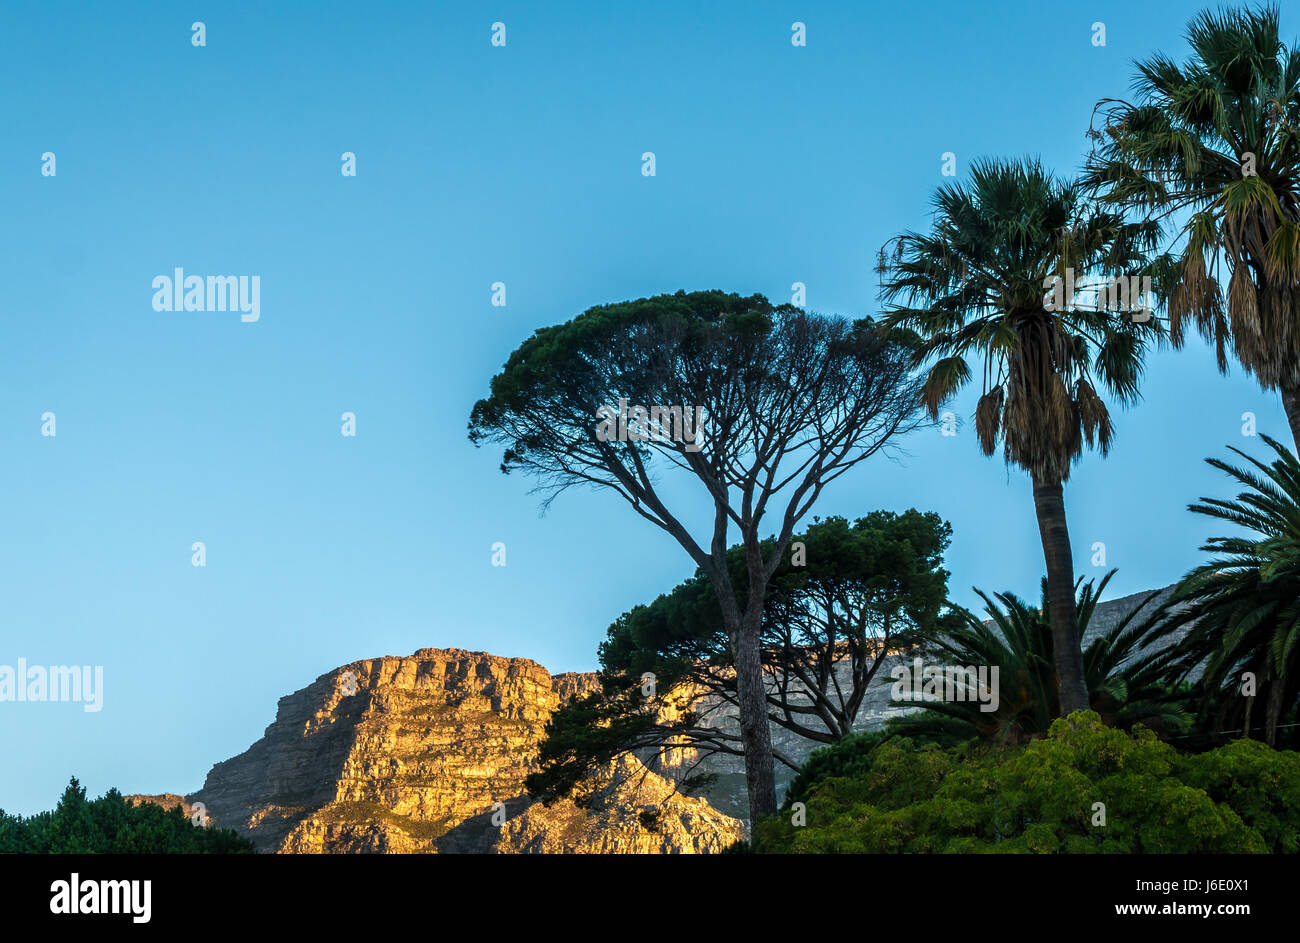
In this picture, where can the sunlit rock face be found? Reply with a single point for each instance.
(168, 800)
(413, 755)
(614, 820)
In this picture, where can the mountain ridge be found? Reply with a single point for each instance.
(428, 753)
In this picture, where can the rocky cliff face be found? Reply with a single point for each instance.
(614, 821)
(168, 800)
(428, 753)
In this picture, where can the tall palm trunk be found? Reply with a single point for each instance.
(1049, 503)
(1291, 403)
(1276, 690)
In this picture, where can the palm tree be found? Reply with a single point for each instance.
(974, 287)
(1216, 142)
(1244, 605)
(1126, 670)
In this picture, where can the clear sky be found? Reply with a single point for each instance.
(475, 164)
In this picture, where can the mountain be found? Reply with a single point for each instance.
(428, 753)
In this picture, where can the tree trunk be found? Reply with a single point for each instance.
(1273, 714)
(1049, 503)
(756, 735)
(1291, 403)
(1245, 724)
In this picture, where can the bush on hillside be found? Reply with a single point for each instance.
(901, 796)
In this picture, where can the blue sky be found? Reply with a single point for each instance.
(475, 164)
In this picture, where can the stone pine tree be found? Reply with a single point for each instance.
(985, 288)
(762, 405)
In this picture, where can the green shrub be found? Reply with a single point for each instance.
(850, 757)
(901, 796)
(1260, 784)
(111, 825)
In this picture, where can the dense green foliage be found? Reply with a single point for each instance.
(901, 796)
(111, 825)
(850, 757)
